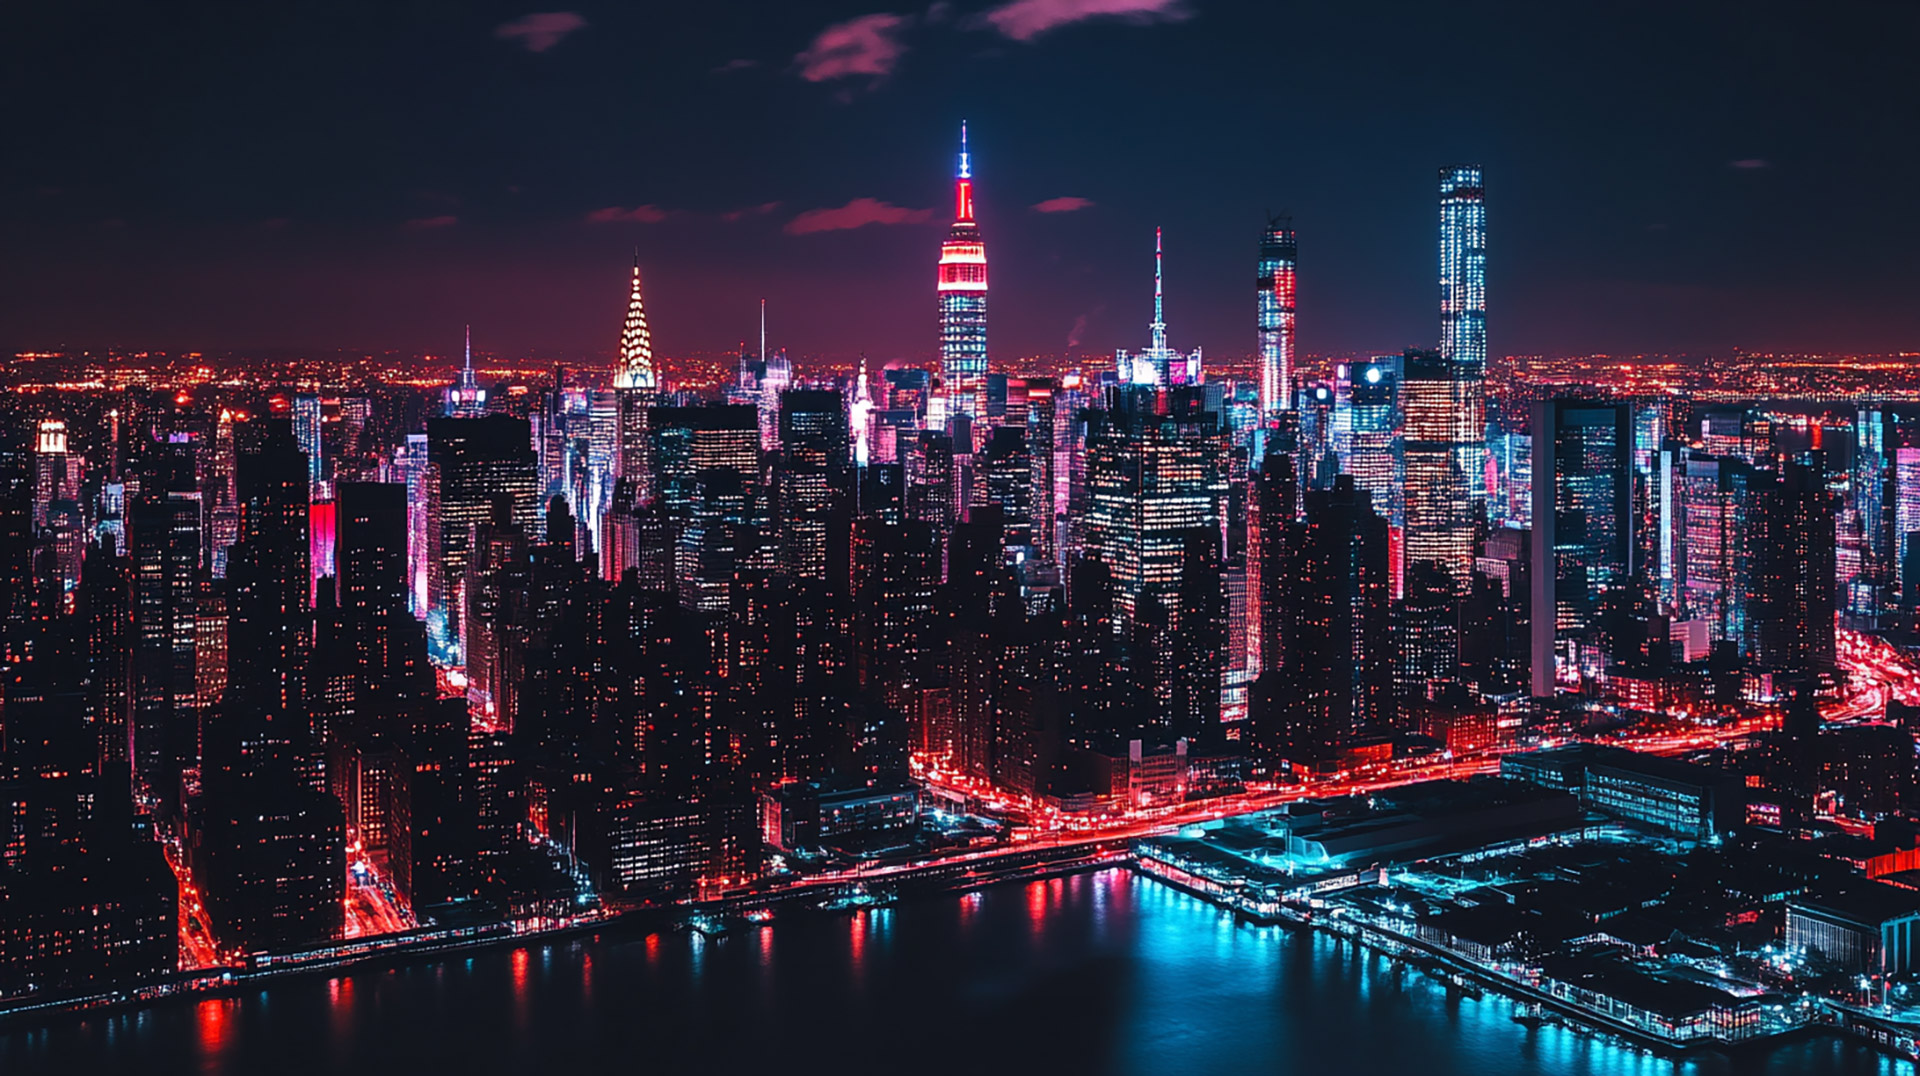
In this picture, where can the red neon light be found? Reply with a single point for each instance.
(963, 200)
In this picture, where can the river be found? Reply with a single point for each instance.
(1095, 973)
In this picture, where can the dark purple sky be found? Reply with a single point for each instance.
(373, 175)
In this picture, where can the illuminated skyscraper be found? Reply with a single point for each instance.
(1463, 268)
(635, 387)
(1154, 474)
(963, 300)
(1274, 288)
(1582, 522)
(1373, 449)
(475, 462)
(1158, 364)
(465, 398)
(636, 342)
(707, 481)
(1438, 509)
(1463, 315)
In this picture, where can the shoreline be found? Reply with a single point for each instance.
(1840, 1021)
(1446, 968)
(434, 945)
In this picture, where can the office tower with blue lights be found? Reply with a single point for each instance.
(1373, 450)
(1274, 292)
(962, 288)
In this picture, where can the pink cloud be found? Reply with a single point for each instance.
(743, 213)
(855, 214)
(1062, 205)
(423, 224)
(869, 45)
(540, 31)
(640, 214)
(1749, 164)
(1024, 20)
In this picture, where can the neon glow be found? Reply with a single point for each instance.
(962, 287)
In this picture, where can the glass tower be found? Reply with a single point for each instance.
(1274, 290)
(1463, 315)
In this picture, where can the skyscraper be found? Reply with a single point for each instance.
(1463, 315)
(371, 550)
(636, 342)
(1463, 268)
(1154, 473)
(1274, 291)
(1791, 537)
(706, 473)
(465, 397)
(1158, 364)
(963, 301)
(1374, 447)
(635, 386)
(1439, 508)
(1582, 520)
(813, 485)
(475, 461)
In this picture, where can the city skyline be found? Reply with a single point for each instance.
(1622, 232)
(1580, 692)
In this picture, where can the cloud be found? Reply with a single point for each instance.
(739, 64)
(1750, 164)
(1024, 20)
(424, 224)
(541, 30)
(869, 45)
(1078, 332)
(640, 214)
(1062, 205)
(744, 212)
(855, 214)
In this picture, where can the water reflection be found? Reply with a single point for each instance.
(1099, 973)
(212, 1017)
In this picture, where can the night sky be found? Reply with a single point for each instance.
(370, 176)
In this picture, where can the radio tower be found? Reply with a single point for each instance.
(963, 301)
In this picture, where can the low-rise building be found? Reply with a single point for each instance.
(1863, 926)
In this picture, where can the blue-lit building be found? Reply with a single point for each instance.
(1463, 314)
(1370, 429)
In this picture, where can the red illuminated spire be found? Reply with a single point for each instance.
(963, 182)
